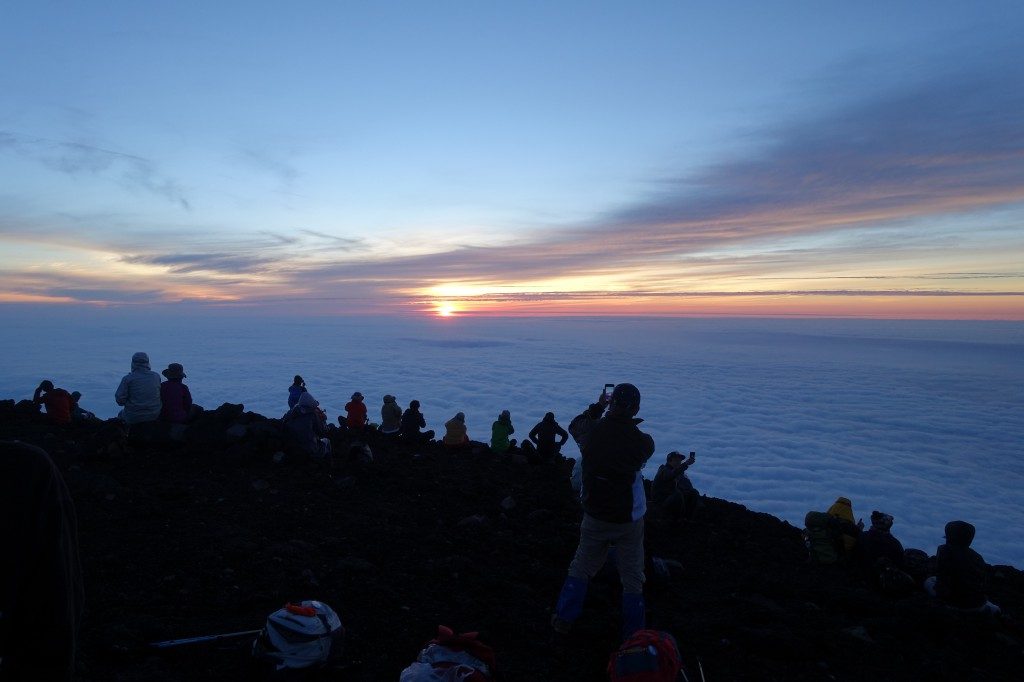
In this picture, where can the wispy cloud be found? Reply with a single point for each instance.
(205, 262)
(76, 158)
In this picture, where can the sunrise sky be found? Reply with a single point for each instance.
(670, 158)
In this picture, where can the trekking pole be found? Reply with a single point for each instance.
(700, 667)
(205, 638)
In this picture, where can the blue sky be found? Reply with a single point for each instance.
(672, 158)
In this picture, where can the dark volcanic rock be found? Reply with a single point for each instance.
(211, 536)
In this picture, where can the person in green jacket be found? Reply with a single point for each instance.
(500, 432)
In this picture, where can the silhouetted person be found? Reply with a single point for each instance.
(305, 427)
(672, 491)
(960, 572)
(613, 451)
(842, 511)
(390, 416)
(501, 429)
(297, 388)
(175, 398)
(412, 422)
(355, 410)
(40, 574)
(544, 434)
(57, 402)
(78, 413)
(139, 392)
(455, 435)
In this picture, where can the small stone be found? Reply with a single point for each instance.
(278, 457)
(259, 485)
(508, 503)
(476, 520)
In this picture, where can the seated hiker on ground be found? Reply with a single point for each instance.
(175, 398)
(455, 435)
(297, 388)
(412, 422)
(879, 556)
(961, 572)
(56, 400)
(306, 428)
(390, 416)
(139, 392)
(500, 432)
(40, 575)
(79, 414)
(543, 436)
(355, 410)
(672, 491)
(842, 510)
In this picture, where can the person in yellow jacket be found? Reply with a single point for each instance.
(842, 509)
(455, 432)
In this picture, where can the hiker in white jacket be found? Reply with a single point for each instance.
(139, 392)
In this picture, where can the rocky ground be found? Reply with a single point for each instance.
(208, 534)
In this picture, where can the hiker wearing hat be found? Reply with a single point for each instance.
(412, 422)
(613, 450)
(56, 400)
(139, 392)
(544, 434)
(961, 573)
(501, 429)
(672, 491)
(356, 411)
(175, 397)
(390, 416)
(455, 435)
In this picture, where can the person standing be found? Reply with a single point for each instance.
(543, 435)
(613, 451)
(139, 392)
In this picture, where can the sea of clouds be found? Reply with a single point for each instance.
(923, 420)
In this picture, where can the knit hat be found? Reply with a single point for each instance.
(174, 371)
(389, 398)
(357, 396)
(881, 520)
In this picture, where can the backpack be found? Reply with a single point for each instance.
(647, 656)
(821, 537)
(452, 658)
(304, 635)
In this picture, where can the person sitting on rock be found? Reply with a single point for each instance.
(412, 422)
(842, 511)
(672, 491)
(175, 398)
(390, 416)
(297, 388)
(355, 410)
(500, 432)
(78, 413)
(543, 436)
(56, 400)
(306, 428)
(455, 435)
(139, 393)
(959, 581)
(879, 556)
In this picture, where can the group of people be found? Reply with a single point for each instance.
(957, 577)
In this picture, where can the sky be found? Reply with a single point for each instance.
(572, 158)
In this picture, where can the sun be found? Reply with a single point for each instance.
(445, 309)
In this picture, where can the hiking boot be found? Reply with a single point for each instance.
(562, 627)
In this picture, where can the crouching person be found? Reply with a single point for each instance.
(613, 451)
(306, 428)
(960, 574)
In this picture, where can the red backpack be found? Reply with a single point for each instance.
(647, 656)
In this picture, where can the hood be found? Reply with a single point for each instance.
(389, 398)
(959, 533)
(140, 361)
(307, 401)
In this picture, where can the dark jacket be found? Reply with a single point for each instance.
(40, 575)
(875, 544)
(961, 571)
(294, 391)
(175, 400)
(613, 451)
(304, 426)
(543, 434)
(412, 422)
(668, 480)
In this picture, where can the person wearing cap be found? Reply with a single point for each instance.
(878, 551)
(355, 410)
(543, 436)
(412, 422)
(297, 388)
(305, 428)
(613, 451)
(139, 392)
(390, 416)
(455, 435)
(175, 398)
(501, 429)
(960, 573)
(56, 400)
(671, 490)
